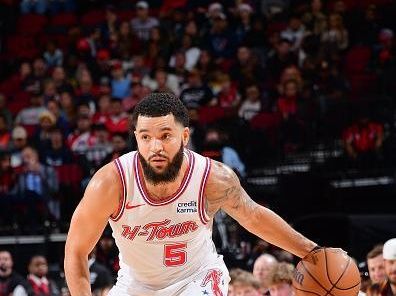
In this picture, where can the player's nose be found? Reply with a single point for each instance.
(157, 146)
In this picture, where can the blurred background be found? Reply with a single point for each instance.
(298, 97)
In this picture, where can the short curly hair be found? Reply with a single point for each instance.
(281, 273)
(161, 104)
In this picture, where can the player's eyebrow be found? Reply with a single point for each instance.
(143, 130)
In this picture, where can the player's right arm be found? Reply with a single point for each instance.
(100, 201)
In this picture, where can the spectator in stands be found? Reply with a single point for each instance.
(178, 66)
(369, 26)
(288, 101)
(220, 40)
(335, 38)
(102, 148)
(102, 109)
(107, 253)
(234, 273)
(19, 142)
(282, 58)
(245, 284)
(363, 141)
(120, 84)
(37, 277)
(119, 146)
(117, 121)
(280, 280)
(53, 56)
(246, 69)
(228, 95)
(33, 6)
(29, 116)
(39, 73)
(54, 108)
(128, 43)
(251, 104)
(388, 287)
(244, 14)
(291, 127)
(138, 92)
(57, 153)
(158, 44)
(35, 189)
(62, 83)
(100, 276)
(295, 32)
(375, 264)
(315, 20)
(111, 24)
(82, 138)
(143, 23)
(87, 92)
(5, 112)
(163, 82)
(196, 93)
(261, 268)
(49, 90)
(67, 106)
(206, 65)
(11, 283)
(41, 138)
(215, 147)
(5, 136)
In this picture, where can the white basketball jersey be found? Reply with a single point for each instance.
(162, 244)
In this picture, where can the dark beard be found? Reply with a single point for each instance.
(168, 175)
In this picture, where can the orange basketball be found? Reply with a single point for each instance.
(327, 272)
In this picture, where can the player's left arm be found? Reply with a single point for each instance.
(224, 191)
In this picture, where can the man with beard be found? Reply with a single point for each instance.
(160, 201)
(388, 287)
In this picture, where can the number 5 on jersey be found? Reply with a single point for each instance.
(175, 254)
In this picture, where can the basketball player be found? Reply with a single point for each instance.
(160, 202)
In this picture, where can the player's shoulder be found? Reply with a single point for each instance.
(105, 176)
(220, 175)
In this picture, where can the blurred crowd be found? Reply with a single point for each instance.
(262, 79)
(270, 273)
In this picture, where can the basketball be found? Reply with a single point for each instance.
(327, 271)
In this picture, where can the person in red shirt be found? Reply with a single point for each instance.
(363, 140)
(37, 277)
(117, 121)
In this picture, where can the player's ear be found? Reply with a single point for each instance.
(186, 136)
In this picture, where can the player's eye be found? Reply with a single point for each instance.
(145, 137)
(166, 136)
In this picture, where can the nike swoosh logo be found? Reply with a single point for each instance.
(128, 206)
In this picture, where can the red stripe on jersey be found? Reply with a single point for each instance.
(169, 199)
(201, 200)
(121, 205)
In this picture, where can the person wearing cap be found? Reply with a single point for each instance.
(244, 13)
(388, 287)
(143, 23)
(19, 141)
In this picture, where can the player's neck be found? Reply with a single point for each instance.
(163, 190)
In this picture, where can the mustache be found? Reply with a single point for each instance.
(157, 155)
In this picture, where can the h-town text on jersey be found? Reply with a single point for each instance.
(159, 230)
